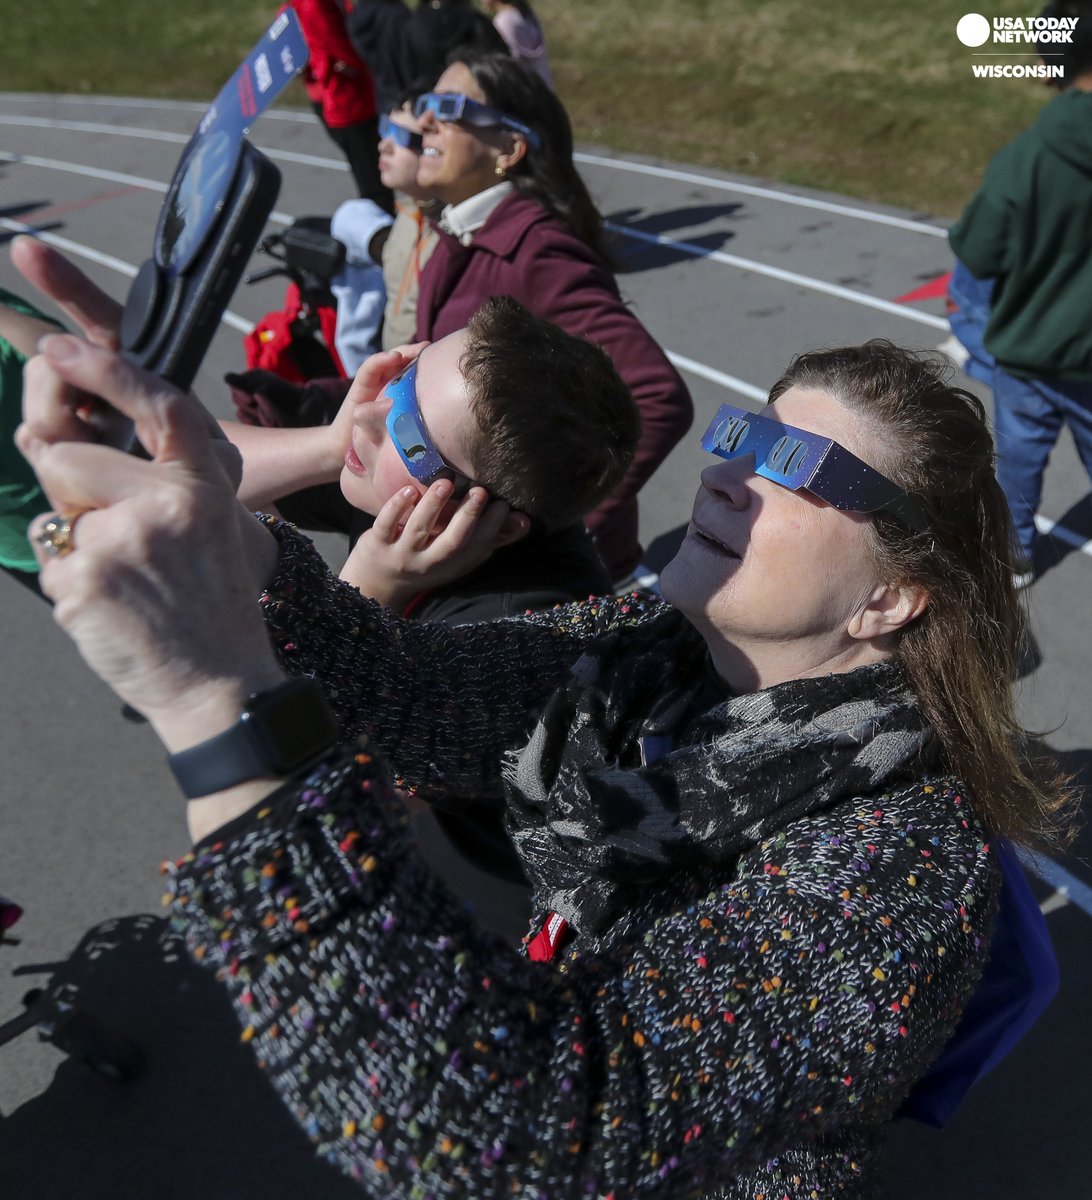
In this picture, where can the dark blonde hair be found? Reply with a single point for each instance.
(960, 654)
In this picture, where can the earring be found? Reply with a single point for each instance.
(498, 170)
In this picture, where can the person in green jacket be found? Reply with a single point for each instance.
(21, 498)
(1029, 227)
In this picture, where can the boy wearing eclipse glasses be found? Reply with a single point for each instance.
(465, 468)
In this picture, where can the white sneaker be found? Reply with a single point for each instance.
(954, 349)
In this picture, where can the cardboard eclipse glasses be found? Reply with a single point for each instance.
(406, 429)
(796, 458)
(454, 106)
(400, 134)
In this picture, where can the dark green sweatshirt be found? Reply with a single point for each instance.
(1030, 227)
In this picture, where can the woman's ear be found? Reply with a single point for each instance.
(516, 525)
(888, 609)
(513, 155)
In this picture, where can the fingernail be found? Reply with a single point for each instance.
(31, 446)
(60, 346)
(409, 492)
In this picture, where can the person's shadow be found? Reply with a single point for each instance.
(14, 212)
(660, 551)
(1054, 549)
(634, 235)
(200, 1118)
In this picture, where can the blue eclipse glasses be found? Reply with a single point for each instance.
(795, 459)
(454, 106)
(407, 431)
(400, 134)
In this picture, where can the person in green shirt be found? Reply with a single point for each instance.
(1029, 227)
(21, 498)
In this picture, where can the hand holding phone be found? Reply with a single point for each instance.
(215, 211)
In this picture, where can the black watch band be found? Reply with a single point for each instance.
(281, 731)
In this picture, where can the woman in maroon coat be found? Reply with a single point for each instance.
(518, 220)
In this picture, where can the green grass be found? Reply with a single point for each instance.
(875, 101)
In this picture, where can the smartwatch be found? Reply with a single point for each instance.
(281, 732)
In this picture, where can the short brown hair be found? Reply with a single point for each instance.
(554, 426)
(960, 654)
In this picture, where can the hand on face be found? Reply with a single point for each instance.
(416, 545)
(373, 375)
(159, 590)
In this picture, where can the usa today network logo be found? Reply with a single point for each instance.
(977, 30)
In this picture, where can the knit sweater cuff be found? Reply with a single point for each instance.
(300, 566)
(293, 863)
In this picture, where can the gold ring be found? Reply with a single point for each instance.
(57, 535)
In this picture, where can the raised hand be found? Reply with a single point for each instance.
(416, 545)
(89, 308)
(156, 569)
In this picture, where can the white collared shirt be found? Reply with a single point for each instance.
(464, 219)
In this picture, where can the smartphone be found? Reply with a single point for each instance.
(202, 248)
(215, 211)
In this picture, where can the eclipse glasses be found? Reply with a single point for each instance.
(407, 431)
(796, 459)
(454, 106)
(405, 138)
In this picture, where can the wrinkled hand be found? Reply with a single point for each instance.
(64, 413)
(160, 590)
(89, 308)
(415, 546)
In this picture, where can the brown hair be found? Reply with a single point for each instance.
(554, 426)
(960, 654)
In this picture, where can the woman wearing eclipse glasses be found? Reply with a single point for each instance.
(765, 820)
(517, 220)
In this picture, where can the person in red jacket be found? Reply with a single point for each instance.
(342, 93)
(518, 220)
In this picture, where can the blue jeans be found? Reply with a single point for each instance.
(1028, 415)
(971, 298)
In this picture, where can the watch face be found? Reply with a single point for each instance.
(293, 724)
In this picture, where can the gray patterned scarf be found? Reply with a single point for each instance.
(594, 819)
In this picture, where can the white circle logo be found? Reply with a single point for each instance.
(973, 29)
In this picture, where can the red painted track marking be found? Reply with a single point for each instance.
(933, 290)
(55, 210)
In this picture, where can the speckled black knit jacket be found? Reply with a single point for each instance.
(729, 1037)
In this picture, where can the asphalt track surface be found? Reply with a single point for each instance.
(732, 276)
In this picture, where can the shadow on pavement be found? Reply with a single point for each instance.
(201, 1119)
(1052, 550)
(631, 254)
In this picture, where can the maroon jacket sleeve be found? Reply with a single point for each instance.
(581, 296)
